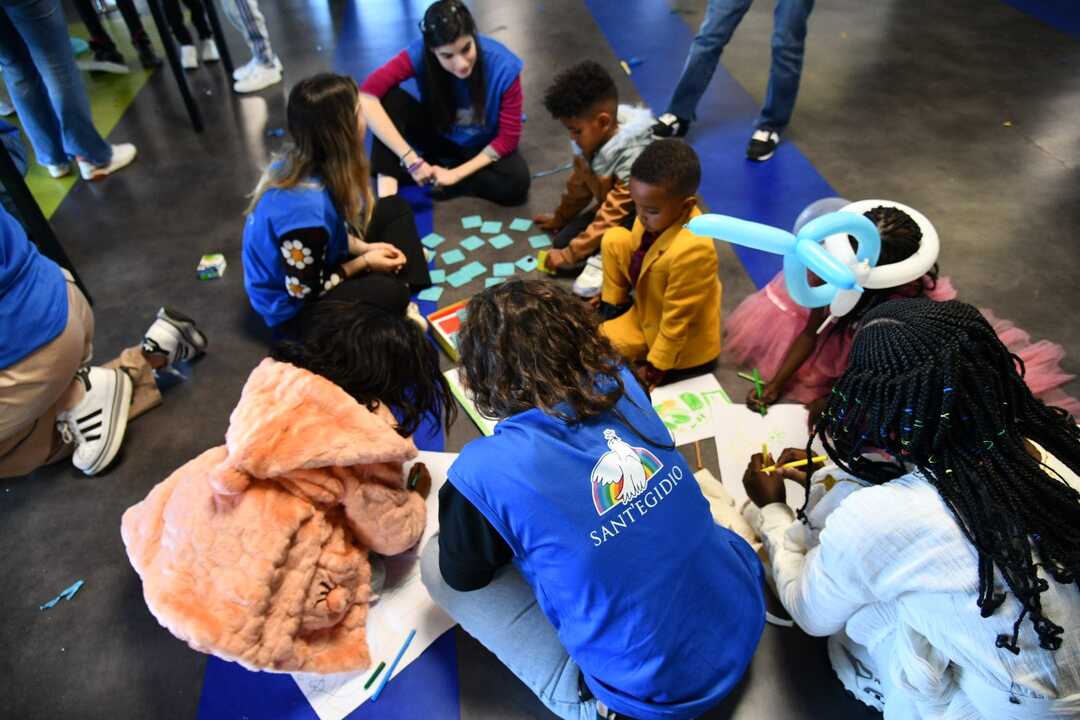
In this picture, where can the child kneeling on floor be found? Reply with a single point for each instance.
(607, 137)
(661, 293)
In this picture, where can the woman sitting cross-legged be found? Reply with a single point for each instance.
(575, 543)
(314, 230)
(940, 550)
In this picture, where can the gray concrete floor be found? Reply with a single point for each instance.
(900, 99)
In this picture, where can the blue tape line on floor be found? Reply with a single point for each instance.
(773, 192)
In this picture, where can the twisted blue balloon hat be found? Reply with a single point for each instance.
(821, 245)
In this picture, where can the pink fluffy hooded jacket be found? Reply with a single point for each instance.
(257, 551)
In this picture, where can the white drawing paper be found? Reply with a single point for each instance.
(688, 407)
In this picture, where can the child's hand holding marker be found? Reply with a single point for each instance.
(763, 488)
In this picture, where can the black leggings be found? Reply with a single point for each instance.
(505, 182)
(175, 16)
(98, 35)
(391, 222)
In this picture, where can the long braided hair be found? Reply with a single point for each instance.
(930, 383)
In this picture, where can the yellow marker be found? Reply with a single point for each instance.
(541, 263)
(797, 463)
(625, 67)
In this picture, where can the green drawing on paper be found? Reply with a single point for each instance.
(690, 410)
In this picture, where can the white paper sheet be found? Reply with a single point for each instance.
(403, 605)
(486, 424)
(742, 431)
(688, 407)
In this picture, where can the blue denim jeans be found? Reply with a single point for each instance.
(45, 86)
(506, 619)
(788, 42)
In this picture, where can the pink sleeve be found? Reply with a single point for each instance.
(506, 141)
(396, 71)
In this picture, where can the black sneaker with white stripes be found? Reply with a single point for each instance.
(96, 425)
(175, 336)
(668, 125)
(762, 144)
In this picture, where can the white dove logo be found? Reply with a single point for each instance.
(621, 474)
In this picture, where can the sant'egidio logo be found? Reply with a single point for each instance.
(621, 474)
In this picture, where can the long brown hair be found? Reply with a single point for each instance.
(531, 344)
(326, 147)
(444, 22)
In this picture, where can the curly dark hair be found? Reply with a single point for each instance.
(531, 344)
(931, 384)
(671, 163)
(578, 89)
(377, 358)
(444, 22)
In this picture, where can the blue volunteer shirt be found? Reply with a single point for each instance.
(278, 213)
(500, 67)
(660, 607)
(33, 295)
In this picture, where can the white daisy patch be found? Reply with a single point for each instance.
(296, 254)
(332, 282)
(296, 288)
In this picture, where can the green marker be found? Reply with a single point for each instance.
(758, 384)
(374, 675)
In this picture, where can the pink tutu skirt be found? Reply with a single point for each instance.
(764, 325)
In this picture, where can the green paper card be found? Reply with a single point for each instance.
(540, 241)
(473, 269)
(521, 224)
(502, 269)
(491, 227)
(472, 221)
(500, 241)
(459, 278)
(437, 276)
(491, 281)
(527, 263)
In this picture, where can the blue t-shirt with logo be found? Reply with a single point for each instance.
(33, 295)
(279, 212)
(660, 607)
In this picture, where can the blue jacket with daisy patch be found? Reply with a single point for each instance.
(270, 267)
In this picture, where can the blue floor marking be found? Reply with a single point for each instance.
(428, 687)
(773, 192)
(1063, 15)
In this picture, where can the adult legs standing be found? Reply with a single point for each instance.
(721, 19)
(45, 84)
(788, 48)
(264, 69)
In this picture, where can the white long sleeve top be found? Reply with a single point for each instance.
(890, 565)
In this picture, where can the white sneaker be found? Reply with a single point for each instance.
(174, 335)
(189, 57)
(209, 50)
(59, 170)
(247, 68)
(97, 424)
(591, 279)
(6, 108)
(122, 156)
(260, 78)
(413, 313)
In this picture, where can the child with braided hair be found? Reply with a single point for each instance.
(940, 550)
(772, 332)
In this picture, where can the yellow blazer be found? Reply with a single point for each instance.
(676, 299)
